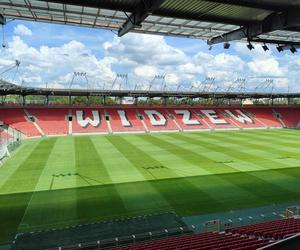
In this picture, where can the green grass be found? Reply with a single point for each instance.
(55, 182)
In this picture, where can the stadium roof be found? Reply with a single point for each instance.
(270, 21)
(7, 88)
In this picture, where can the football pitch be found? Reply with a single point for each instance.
(63, 181)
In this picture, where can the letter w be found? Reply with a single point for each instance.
(85, 122)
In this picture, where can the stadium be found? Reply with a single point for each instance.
(145, 168)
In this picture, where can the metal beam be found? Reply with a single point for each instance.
(276, 21)
(160, 12)
(201, 18)
(273, 41)
(135, 20)
(276, 6)
(111, 5)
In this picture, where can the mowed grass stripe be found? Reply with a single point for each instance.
(89, 167)
(260, 142)
(243, 175)
(142, 200)
(42, 204)
(272, 148)
(13, 206)
(118, 167)
(149, 167)
(29, 171)
(244, 152)
(60, 166)
(17, 157)
(174, 163)
(277, 155)
(195, 158)
(251, 144)
(180, 194)
(237, 155)
(233, 192)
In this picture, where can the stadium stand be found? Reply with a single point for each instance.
(216, 118)
(16, 118)
(274, 229)
(37, 121)
(241, 238)
(188, 119)
(264, 116)
(88, 120)
(290, 116)
(157, 119)
(242, 119)
(128, 122)
(51, 121)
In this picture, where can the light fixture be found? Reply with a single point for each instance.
(293, 49)
(226, 45)
(250, 46)
(279, 48)
(265, 47)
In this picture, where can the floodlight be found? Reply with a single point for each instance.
(250, 46)
(279, 48)
(226, 45)
(293, 49)
(265, 47)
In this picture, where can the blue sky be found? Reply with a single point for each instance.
(52, 53)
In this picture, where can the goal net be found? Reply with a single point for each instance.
(10, 139)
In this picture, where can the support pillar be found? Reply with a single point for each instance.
(47, 100)
(88, 100)
(23, 100)
(165, 100)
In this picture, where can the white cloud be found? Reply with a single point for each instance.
(172, 79)
(267, 67)
(143, 57)
(55, 64)
(145, 71)
(22, 30)
(144, 50)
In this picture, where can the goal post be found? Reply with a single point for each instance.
(10, 139)
(4, 152)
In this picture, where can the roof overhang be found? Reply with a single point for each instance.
(212, 20)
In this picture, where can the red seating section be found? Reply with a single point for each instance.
(54, 120)
(115, 122)
(101, 128)
(242, 238)
(216, 241)
(15, 117)
(220, 114)
(264, 116)
(290, 116)
(274, 229)
(170, 124)
(194, 116)
(254, 123)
